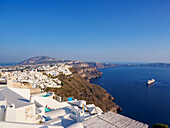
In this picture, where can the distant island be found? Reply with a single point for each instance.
(41, 60)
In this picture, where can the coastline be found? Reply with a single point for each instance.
(81, 88)
(92, 72)
(118, 108)
(136, 99)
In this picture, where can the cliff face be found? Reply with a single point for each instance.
(98, 65)
(102, 65)
(78, 85)
(49, 60)
(81, 89)
(88, 72)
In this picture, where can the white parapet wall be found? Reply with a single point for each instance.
(10, 114)
(2, 113)
(4, 124)
(25, 114)
(53, 104)
(21, 91)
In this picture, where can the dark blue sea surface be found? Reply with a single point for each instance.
(7, 64)
(148, 104)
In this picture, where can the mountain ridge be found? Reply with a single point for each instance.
(50, 60)
(38, 60)
(79, 85)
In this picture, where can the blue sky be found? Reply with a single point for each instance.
(90, 30)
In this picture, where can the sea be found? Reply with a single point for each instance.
(148, 104)
(7, 64)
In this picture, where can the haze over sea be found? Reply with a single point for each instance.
(8, 64)
(149, 104)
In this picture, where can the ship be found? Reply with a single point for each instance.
(150, 81)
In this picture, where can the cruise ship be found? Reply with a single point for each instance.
(150, 81)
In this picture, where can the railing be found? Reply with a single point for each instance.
(60, 99)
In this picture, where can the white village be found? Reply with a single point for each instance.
(24, 103)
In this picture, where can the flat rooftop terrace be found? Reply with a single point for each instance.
(13, 98)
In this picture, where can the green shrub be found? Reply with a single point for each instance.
(160, 126)
(62, 83)
(47, 89)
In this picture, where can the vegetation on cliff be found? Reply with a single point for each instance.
(157, 125)
(83, 90)
(78, 84)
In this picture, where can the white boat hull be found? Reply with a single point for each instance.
(150, 81)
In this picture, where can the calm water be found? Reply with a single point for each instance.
(149, 104)
(7, 64)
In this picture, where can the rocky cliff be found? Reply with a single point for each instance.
(49, 60)
(82, 89)
(78, 85)
(88, 72)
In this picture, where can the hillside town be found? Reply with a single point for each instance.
(39, 77)
(24, 102)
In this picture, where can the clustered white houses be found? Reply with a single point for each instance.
(17, 105)
(54, 70)
(19, 108)
(40, 77)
